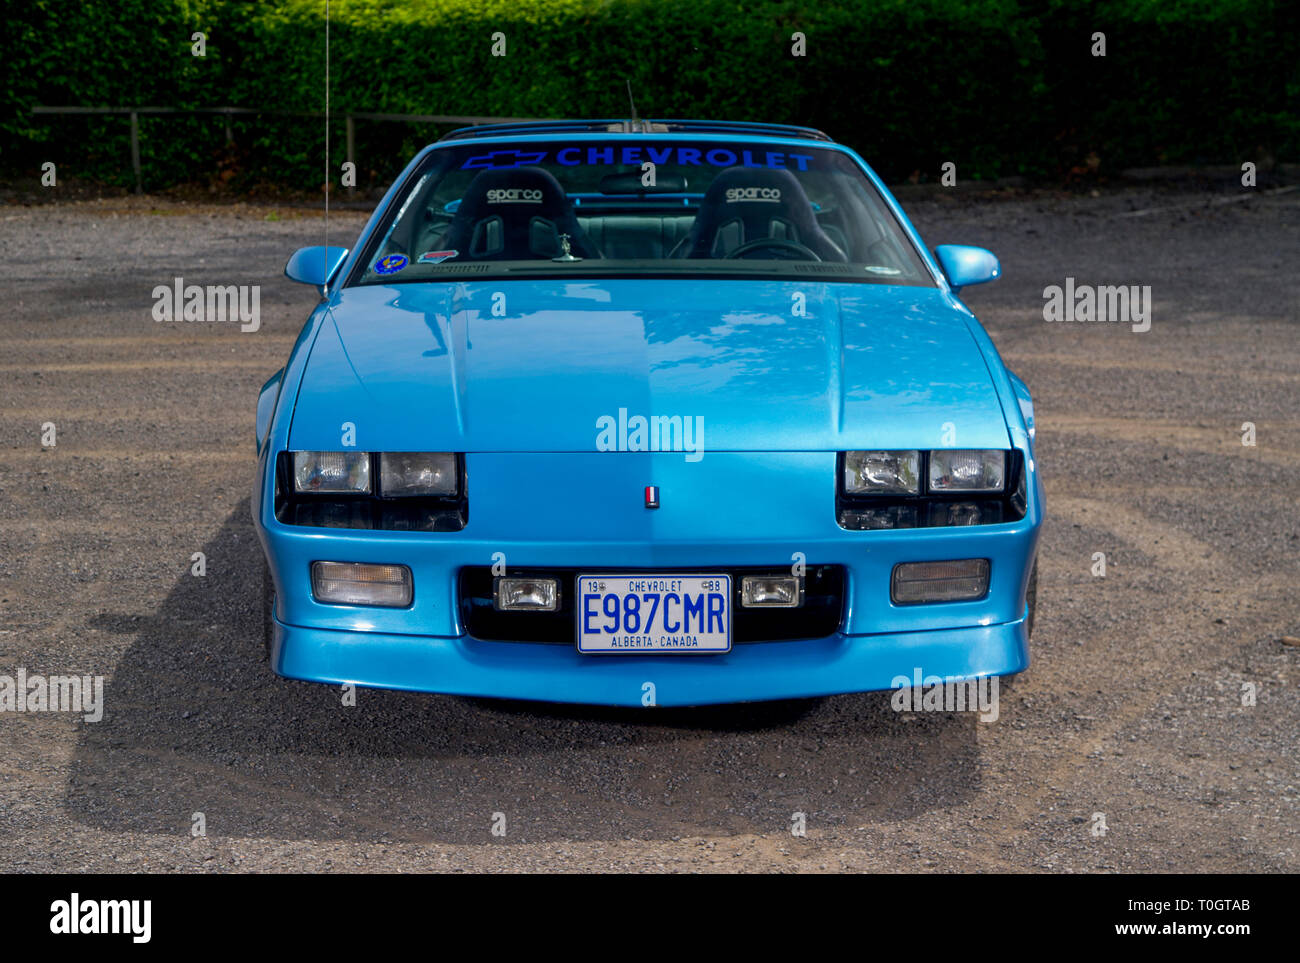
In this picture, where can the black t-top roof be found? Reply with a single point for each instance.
(637, 127)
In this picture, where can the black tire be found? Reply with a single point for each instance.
(1031, 599)
(268, 606)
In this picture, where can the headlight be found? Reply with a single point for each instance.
(526, 594)
(882, 472)
(967, 470)
(418, 473)
(960, 580)
(777, 591)
(331, 472)
(358, 583)
(873, 518)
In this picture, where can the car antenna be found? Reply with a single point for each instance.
(635, 122)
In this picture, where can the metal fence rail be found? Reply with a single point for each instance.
(230, 112)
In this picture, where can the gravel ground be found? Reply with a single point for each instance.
(1133, 707)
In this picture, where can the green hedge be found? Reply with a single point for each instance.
(999, 87)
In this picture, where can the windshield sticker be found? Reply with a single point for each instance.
(436, 257)
(498, 159)
(390, 264)
(635, 155)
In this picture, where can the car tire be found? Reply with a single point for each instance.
(268, 607)
(1031, 600)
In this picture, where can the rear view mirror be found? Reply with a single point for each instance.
(631, 184)
(315, 265)
(964, 265)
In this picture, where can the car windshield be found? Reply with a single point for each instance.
(651, 207)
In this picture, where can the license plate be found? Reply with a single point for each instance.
(654, 613)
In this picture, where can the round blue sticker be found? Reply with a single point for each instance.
(390, 264)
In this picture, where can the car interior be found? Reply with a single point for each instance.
(521, 213)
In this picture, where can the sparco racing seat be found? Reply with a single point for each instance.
(745, 206)
(513, 214)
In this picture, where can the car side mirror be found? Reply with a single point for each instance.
(315, 265)
(964, 265)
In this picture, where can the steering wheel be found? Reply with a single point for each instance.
(776, 243)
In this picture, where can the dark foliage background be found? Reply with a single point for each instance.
(1000, 87)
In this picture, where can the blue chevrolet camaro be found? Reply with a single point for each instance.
(644, 413)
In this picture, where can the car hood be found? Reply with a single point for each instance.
(570, 365)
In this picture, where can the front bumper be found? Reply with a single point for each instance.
(553, 673)
(426, 647)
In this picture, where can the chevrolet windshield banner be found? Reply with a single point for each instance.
(597, 155)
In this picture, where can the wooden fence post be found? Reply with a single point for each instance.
(135, 151)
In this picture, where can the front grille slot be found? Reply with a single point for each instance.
(819, 616)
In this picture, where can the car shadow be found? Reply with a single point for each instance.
(196, 722)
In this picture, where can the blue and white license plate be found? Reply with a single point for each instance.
(654, 613)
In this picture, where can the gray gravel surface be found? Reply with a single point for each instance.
(1133, 707)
